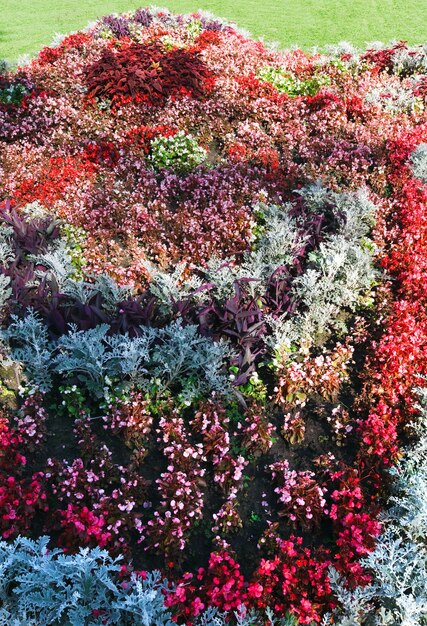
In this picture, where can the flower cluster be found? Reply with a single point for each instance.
(220, 585)
(258, 434)
(20, 500)
(99, 500)
(295, 578)
(132, 418)
(181, 498)
(301, 499)
(30, 422)
(322, 375)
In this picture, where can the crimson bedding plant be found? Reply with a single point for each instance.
(211, 269)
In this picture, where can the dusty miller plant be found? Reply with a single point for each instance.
(29, 344)
(56, 261)
(418, 162)
(6, 257)
(96, 358)
(42, 586)
(5, 291)
(6, 250)
(394, 99)
(275, 245)
(171, 287)
(111, 293)
(355, 211)
(339, 276)
(182, 355)
(340, 271)
(410, 61)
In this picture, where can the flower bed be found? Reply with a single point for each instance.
(212, 307)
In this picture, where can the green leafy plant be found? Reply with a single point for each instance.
(181, 153)
(284, 82)
(75, 238)
(13, 94)
(73, 401)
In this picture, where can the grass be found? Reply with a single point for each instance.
(27, 25)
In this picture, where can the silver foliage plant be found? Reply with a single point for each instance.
(31, 347)
(6, 251)
(394, 99)
(5, 291)
(6, 257)
(340, 273)
(339, 277)
(398, 593)
(410, 61)
(42, 586)
(171, 286)
(276, 245)
(56, 261)
(418, 162)
(93, 356)
(182, 354)
(175, 355)
(111, 292)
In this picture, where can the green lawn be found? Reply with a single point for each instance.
(27, 25)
